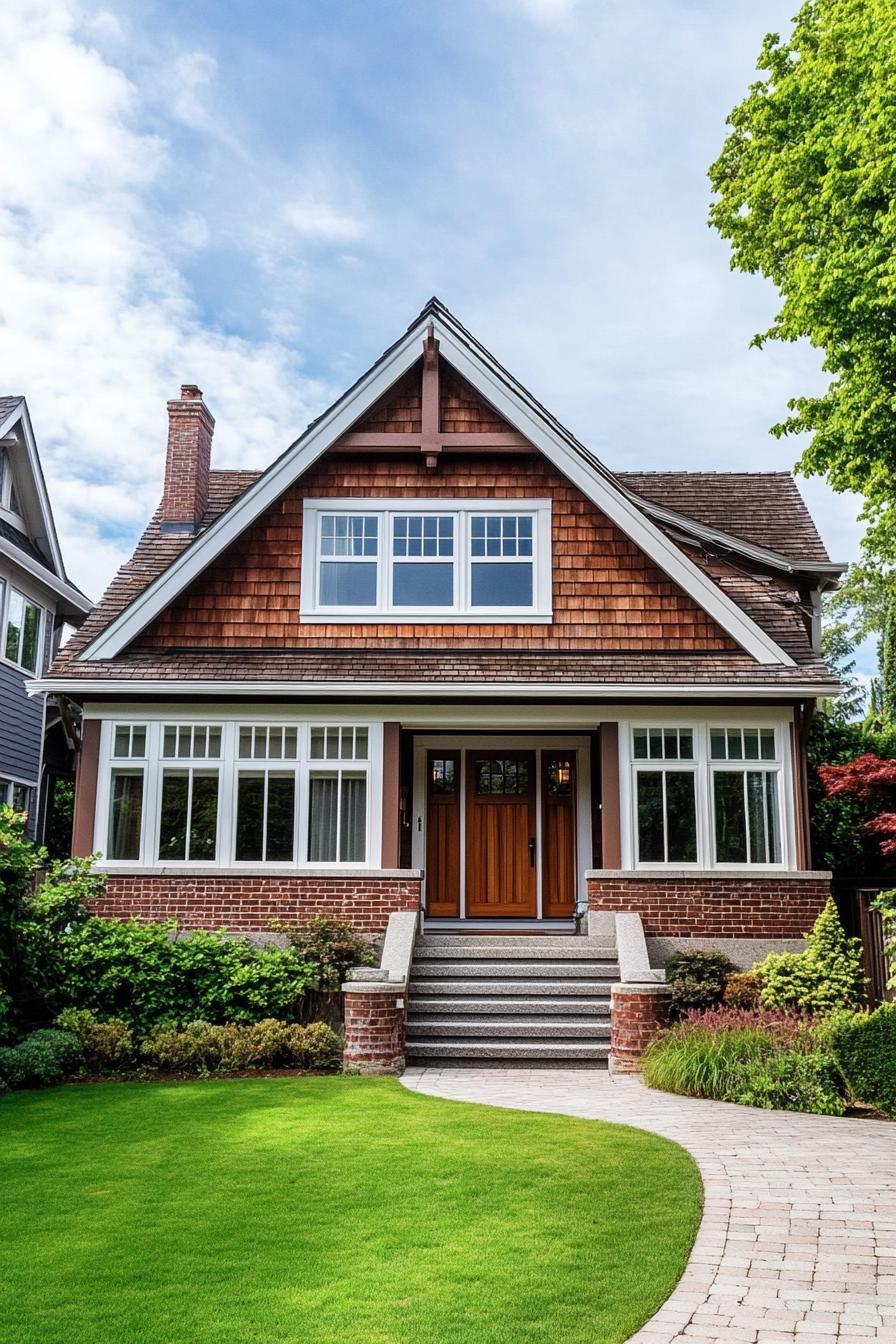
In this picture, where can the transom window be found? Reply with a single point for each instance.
(447, 558)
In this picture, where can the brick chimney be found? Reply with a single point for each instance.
(190, 430)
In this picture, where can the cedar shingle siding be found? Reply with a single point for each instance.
(606, 594)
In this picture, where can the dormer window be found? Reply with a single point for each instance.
(408, 560)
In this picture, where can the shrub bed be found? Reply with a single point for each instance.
(89, 1045)
(776, 1061)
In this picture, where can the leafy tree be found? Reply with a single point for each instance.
(888, 662)
(838, 651)
(838, 821)
(806, 195)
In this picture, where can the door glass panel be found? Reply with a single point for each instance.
(443, 775)
(559, 777)
(502, 776)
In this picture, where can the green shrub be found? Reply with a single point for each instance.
(108, 1046)
(149, 976)
(202, 1047)
(827, 976)
(791, 1080)
(331, 947)
(755, 1059)
(323, 1047)
(41, 1059)
(698, 979)
(742, 990)
(864, 1046)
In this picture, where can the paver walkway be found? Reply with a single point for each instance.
(798, 1239)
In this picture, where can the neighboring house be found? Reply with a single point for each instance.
(36, 601)
(438, 652)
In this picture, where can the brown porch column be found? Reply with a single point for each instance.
(391, 786)
(85, 788)
(610, 834)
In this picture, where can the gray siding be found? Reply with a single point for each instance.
(21, 726)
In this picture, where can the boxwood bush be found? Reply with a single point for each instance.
(698, 978)
(41, 1059)
(864, 1046)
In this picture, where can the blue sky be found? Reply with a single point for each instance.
(259, 197)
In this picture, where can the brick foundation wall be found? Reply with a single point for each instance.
(249, 904)
(374, 1028)
(715, 907)
(637, 1013)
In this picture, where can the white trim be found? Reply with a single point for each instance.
(462, 609)
(520, 410)
(228, 766)
(20, 415)
(703, 769)
(399, 690)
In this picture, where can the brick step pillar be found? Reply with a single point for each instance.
(374, 1023)
(637, 1013)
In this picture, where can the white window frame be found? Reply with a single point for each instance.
(8, 488)
(760, 766)
(663, 766)
(462, 511)
(7, 589)
(704, 770)
(229, 765)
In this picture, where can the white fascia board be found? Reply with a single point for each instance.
(518, 409)
(38, 486)
(45, 577)
(397, 690)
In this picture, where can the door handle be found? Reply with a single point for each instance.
(532, 852)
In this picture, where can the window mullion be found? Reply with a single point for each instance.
(188, 848)
(264, 814)
(665, 820)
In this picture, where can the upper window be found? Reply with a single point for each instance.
(22, 640)
(429, 559)
(8, 497)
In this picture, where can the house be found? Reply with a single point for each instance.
(36, 601)
(439, 655)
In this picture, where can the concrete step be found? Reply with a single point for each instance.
(479, 987)
(461, 1006)
(569, 956)
(515, 970)
(508, 1028)
(459, 1048)
(533, 946)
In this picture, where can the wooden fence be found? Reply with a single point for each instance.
(860, 921)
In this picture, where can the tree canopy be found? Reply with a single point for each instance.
(806, 195)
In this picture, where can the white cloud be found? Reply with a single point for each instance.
(98, 327)
(543, 11)
(319, 219)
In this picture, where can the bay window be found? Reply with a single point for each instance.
(707, 796)
(480, 559)
(236, 793)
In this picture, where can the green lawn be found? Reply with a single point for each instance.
(319, 1210)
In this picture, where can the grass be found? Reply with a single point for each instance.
(328, 1209)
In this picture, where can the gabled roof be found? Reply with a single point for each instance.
(520, 409)
(36, 551)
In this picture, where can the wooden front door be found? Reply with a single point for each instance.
(501, 873)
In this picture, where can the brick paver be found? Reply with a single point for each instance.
(798, 1239)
